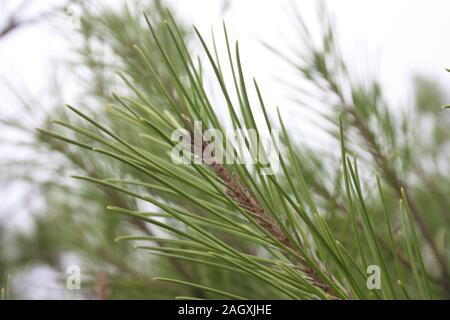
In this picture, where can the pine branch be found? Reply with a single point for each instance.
(247, 200)
(227, 229)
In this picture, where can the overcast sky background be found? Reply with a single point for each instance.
(391, 39)
(394, 39)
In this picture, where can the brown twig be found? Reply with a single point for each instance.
(101, 286)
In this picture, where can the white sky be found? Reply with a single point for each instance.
(397, 38)
(394, 38)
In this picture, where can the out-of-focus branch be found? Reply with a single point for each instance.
(15, 22)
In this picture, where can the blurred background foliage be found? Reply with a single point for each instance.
(72, 220)
(408, 149)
